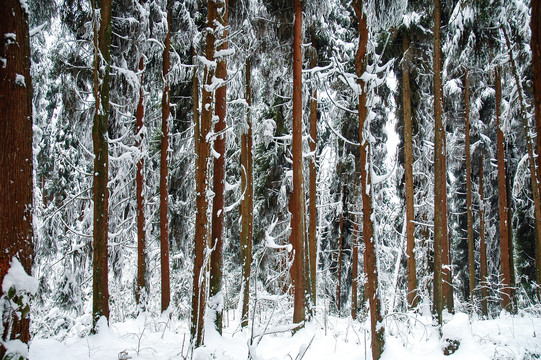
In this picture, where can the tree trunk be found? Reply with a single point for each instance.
(370, 263)
(298, 179)
(471, 259)
(140, 291)
(483, 245)
(339, 266)
(536, 64)
(447, 287)
(502, 201)
(201, 222)
(408, 168)
(164, 194)
(15, 160)
(215, 295)
(312, 223)
(439, 168)
(102, 69)
(355, 271)
(534, 175)
(247, 203)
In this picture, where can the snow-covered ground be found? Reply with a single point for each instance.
(408, 336)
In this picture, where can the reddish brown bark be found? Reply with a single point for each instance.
(202, 159)
(247, 203)
(483, 245)
(15, 157)
(164, 194)
(370, 263)
(312, 223)
(298, 179)
(439, 169)
(447, 286)
(141, 236)
(218, 214)
(408, 169)
(102, 60)
(502, 201)
(536, 64)
(471, 259)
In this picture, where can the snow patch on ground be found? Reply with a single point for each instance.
(408, 337)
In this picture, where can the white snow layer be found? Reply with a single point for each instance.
(408, 337)
(19, 279)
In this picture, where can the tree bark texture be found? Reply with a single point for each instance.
(471, 259)
(298, 178)
(203, 156)
(164, 171)
(370, 263)
(536, 64)
(483, 244)
(439, 168)
(312, 223)
(102, 69)
(247, 203)
(16, 184)
(502, 200)
(408, 169)
(140, 291)
(218, 213)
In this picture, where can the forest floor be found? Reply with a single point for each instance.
(408, 337)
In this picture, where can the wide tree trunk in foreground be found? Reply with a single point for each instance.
(16, 164)
(439, 169)
(408, 167)
(218, 214)
(502, 201)
(203, 153)
(140, 290)
(102, 69)
(247, 203)
(298, 178)
(370, 263)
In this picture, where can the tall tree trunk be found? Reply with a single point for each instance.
(215, 295)
(534, 171)
(512, 278)
(447, 287)
(483, 245)
(298, 179)
(471, 259)
(355, 271)
(15, 161)
(164, 194)
(247, 203)
(203, 147)
(102, 69)
(370, 263)
(339, 266)
(439, 168)
(312, 223)
(140, 293)
(502, 201)
(408, 167)
(536, 64)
